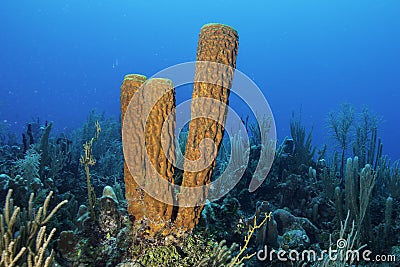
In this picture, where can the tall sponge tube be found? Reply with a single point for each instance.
(160, 147)
(133, 192)
(218, 43)
(148, 108)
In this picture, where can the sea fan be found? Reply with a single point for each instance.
(28, 167)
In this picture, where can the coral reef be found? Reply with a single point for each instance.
(312, 197)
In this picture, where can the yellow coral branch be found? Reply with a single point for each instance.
(239, 258)
(88, 160)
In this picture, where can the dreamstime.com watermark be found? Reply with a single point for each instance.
(339, 254)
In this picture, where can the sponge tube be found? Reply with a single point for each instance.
(159, 162)
(217, 43)
(133, 192)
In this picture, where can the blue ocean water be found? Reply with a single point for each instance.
(61, 59)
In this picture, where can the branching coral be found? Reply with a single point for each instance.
(28, 243)
(303, 149)
(87, 160)
(29, 167)
(358, 192)
(252, 228)
(221, 256)
(349, 236)
(340, 123)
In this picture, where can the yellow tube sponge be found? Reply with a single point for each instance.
(217, 43)
(148, 108)
(133, 192)
(159, 161)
